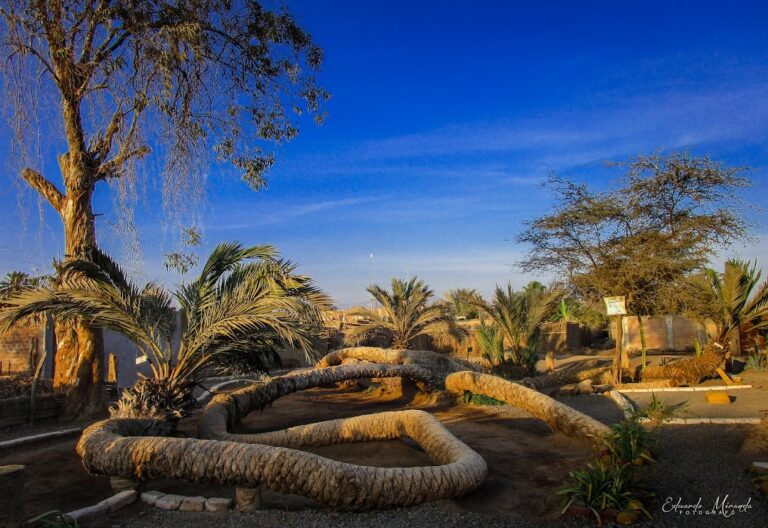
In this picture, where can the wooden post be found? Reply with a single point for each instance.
(114, 365)
(248, 499)
(617, 355)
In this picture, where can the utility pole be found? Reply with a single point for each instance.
(373, 278)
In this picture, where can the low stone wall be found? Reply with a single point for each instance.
(15, 411)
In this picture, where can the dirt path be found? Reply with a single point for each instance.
(527, 464)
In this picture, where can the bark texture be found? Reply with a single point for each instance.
(571, 374)
(559, 416)
(106, 448)
(688, 371)
(225, 411)
(79, 359)
(270, 460)
(439, 364)
(79, 368)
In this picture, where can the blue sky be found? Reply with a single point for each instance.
(445, 119)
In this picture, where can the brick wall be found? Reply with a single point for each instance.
(672, 332)
(16, 344)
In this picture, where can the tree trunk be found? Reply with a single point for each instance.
(559, 416)
(642, 342)
(80, 354)
(617, 355)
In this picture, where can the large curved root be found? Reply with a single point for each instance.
(271, 460)
(106, 450)
(576, 372)
(225, 411)
(559, 416)
(439, 364)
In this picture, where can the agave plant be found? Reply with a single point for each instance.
(519, 316)
(243, 298)
(406, 313)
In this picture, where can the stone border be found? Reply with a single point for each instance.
(690, 389)
(170, 501)
(627, 408)
(624, 404)
(713, 421)
(24, 440)
(115, 502)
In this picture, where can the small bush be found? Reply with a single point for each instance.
(659, 412)
(21, 384)
(53, 519)
(757, 361)
(480, 399)
(607, 483)
(599, 487)
(628, 443)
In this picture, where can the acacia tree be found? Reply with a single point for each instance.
(184, 78)
(645, 237)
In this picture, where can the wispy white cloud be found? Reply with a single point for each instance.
(287, 214)
(603, 130)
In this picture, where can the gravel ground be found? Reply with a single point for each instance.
(695, 462)
(45, 426)
(703, 462)
(425, 516)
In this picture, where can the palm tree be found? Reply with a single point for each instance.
(736, 302)
(463, 302)
(490, 340)
(244, 298)
(519, 315)
(405, 314)
(14, 281)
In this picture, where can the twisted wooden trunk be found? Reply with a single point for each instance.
(559, 416)
(272, 460)
(268, 460)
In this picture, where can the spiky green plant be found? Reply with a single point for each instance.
(627, 442)
(598, 488)
(406, 313)
(519, 316)
(242, 297)
(463, 302)
(490, 340)
(757, 362)
(53, 519)
(736, 302)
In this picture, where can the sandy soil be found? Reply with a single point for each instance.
(527, 464)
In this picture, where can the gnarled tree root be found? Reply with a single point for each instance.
(106, 450)
(559, 416)
(439, 364)
(270, 459)
(225, 411)
(266, 459)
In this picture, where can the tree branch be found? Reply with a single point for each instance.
(39, 183)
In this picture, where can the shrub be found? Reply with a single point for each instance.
(757, 361)
(21, 384)
(598, 488)
(479, 399)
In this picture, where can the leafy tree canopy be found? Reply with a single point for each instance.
(643, 238)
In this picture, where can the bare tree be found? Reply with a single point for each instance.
(130, 78)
